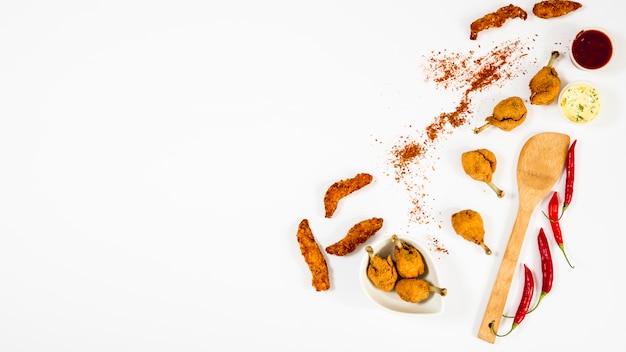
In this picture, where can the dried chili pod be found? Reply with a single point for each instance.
(524, 304)
(547, 269)
(569, 176)
(553, 215)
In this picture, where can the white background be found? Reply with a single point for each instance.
(157, 156)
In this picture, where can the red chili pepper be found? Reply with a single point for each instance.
(569, 176)
(547, 269)
(553, 215)
(524, 304)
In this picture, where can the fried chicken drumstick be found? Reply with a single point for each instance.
(417, 290)
(409, 261)
(381, 271)
(469, 225)
(496, 19)
(507, 114)
(480, 164)
(555, 8)
(545, 84)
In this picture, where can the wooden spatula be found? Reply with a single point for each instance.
(539, 166)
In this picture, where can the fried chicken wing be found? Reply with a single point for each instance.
(357, 235)
(341, 189)
(545, 84)
(507, 114)
(496, 19)
(555, 8)
(313, 256)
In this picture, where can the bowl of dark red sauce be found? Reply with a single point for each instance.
(591, 49)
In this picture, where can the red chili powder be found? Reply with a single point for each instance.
(410, 157)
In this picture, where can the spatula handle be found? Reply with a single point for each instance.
(500, 290)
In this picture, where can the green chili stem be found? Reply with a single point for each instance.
(513, 326)
(563, 250)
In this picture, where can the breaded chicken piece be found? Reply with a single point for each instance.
(496, 19)
(545, 84)
(381, 271)
(469, 225)
(507, 114)
(409, 260)
(340, 189)
(357, 235)
(555, 8)
(417, 290)
(313, 256)
(480, 164)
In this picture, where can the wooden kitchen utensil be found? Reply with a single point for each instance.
(539, 166)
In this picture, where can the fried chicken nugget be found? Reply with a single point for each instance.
(313, 256)
(555, 8)
(340, 189)
(357, 235)
(496, 19)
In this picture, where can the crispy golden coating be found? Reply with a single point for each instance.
(340, 189)
(545, 84)
(555, 8)
(357, 235)
(409, 261)
(417, 290)
(507, 114)
(480, 164)
(496, 19)
(313, 256)
(469, 225)
(381, 271)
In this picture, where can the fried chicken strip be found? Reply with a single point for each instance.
(341, 189)
(496, 19)
(357, 235)
(555, 8)
(313, 256)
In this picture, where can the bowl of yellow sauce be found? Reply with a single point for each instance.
(580, 102)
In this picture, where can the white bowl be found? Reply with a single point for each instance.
(390, 300)
(576, 100)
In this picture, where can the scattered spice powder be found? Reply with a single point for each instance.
(436, 246)
(457, 72)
